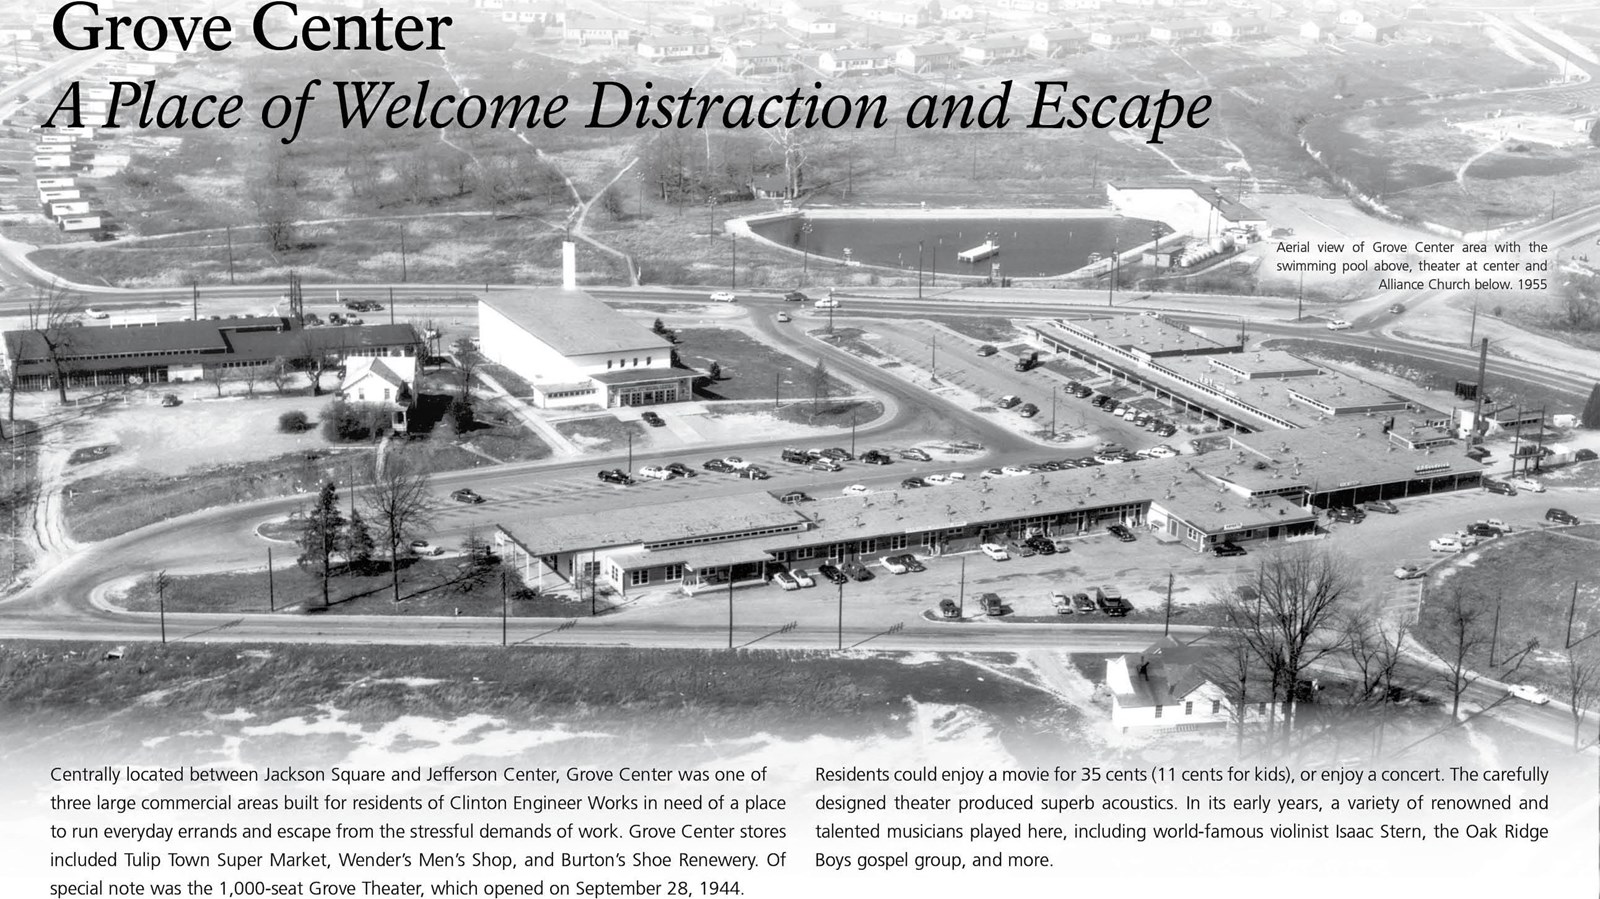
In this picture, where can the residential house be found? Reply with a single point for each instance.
(594, 32)
(855, 61)
(1181, 31)
(717, 18)
(1056, 42)
(1377, 30)
(813, 23)
(1122, 34)
(993, 50)
(674, 46)
(895, 15)
(1318, 29)
(958, 12)
(388, 381)
(829, 8)
(534, 13)
(1166, 688)
(927, 57)
(1237, 28)
(1351, 16)
(762, 59)
(1040, 7)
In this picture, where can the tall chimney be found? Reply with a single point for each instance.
(569, 265)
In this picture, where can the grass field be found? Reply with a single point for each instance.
(749, 367)
(602, 433)
(1422, 372)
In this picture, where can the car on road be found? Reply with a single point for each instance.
(1338, 324)
(1527, 693)
(1121, 532)
(1528, 484)
(856, 490)
(893, 565)
(877, 457)
(1381, 505)
(995, 551)
(652, 419)
(795, 497)
(786, 581)
(723, 296)
(1449, 543)
(171, 400)
(916, 455)
(1409, 572)
(615, 476)
(1228, 548)
(856, 571)
(656, 472)
(785, 317)
(987, 350)
(1060, 602)
(680, 470)
(1008, 401)
(913, 483)
(753, 473)
(826, 303)
(795, 296)
(803, 577)
(1027, 410)
(718, 465)
(1396, 308)
(991, 605)
(466, 495)
(92, 312)
(1500, 487)
(424, 548)
(1560, 516)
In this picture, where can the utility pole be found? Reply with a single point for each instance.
(272, 598)
(1166, 625)
(1300, 300)
(161, 602)
(733, 268)
(630, 453)
(403, 270)
(504, 638)
(391, 305)
(230, 254)
(1052, 411)
(805, 253)
(1111, 283)
(852, 433)
(777, 385)
(841, 617)
(919, 269)
(933, 356)
(961, 597)
(1478, 429)
(594, 586)
(730, 606)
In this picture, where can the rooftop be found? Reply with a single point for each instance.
(688, 519)
(572, 322)
(1141, 335)
(1265, 364)
(1341, 454)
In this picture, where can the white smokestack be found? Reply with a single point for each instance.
(569, 265)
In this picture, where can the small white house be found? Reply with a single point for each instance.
(1165, 688)
(854, 61)
(674, 46)
(387, 381)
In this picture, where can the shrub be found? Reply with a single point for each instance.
(295, 422)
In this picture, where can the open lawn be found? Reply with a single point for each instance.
(1530, 576)
(749, 368)
(1422, 372)
(602, 433)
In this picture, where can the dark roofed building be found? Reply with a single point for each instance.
(164, 352)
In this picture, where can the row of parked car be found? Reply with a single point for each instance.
(846, 571)
(1510, 487)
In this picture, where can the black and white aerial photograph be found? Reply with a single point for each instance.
(1179, 416)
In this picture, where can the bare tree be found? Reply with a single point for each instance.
(1465, 635)
(819, 383)
(250, 376)
(1580, 687)
(53, 317)
(277, 214)
(315, 359)
(217, 376)
(1375, 650)
(467, 362)
(397, 502)
(1288, 617)
(279, 373)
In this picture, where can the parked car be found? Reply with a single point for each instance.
(826, 465)
(795, 497)
(784, 317)
(803, 577)
(987, 350)
(786, 581)
(837, 454)
(992, 473)
(1484, 529)
(1347, 513)
(957, 476)
(717, 465)
(657, 472)
(893, 565)
(1082, 604)
(1381, 505)
(991, 605)
(1163, 452)
(1528, 694)
(753, 473)
(1500, 487)
(949, 609)
(1446, 544)
(680, 470)
(1110, 601)
(876, 457)
(1008, 401)
(1560, 516)
(1027, 410)
(92, 312)
(996, 552)
(795, 296)
(736, 463)
(833, 574)
(1496, 523)
(1338, 324)
(1585, 455)
(652, 419)
(1121, 532)
(723, 296)
(911, 563)
(936, 480)
(424, 548)
(856, 571)
(1409, 572)
(1015, 471)
(1528, 484)
(465, 495)
(1228, 548)
(913, 483)
(171, 400)
(1061, 603)
(856, 490)
(615, 476)
(1081, 391)
(1478, 454)
(916, 455)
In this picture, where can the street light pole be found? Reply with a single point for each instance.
(630, 452)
